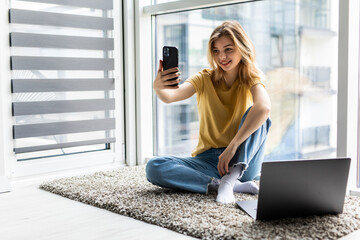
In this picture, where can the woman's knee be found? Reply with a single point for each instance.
(152, 169)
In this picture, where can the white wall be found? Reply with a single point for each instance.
(6, 142)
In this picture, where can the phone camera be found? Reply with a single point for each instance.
(166, 52)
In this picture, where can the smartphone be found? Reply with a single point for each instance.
(170, 59)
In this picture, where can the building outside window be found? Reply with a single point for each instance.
(296, 43)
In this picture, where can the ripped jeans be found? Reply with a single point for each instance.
(195, 173)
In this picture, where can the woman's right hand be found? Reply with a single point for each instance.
(162, 80)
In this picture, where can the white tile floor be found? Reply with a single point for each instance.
(30, 213)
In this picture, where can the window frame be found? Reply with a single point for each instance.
(129, 81)
(144, 75)
(348, 62)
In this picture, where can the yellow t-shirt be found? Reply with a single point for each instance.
(220, 110)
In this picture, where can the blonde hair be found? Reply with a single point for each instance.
(248, 71)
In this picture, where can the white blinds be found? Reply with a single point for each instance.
(62, 76)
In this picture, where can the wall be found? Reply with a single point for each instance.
(6, 143)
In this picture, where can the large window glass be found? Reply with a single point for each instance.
(296, 45)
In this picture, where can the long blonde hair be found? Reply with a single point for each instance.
(248, 71)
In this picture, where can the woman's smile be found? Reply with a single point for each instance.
(225, 64)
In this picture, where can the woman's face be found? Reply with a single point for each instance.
(226, 54)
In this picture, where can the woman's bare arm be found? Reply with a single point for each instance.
(257, 115)
(168, 93)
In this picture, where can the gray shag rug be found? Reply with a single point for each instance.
(127, 192)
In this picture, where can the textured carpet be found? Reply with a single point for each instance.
(127, 192)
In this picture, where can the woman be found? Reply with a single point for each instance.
(232, 132)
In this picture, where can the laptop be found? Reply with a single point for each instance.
(299, 188)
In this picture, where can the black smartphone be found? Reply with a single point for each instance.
(170, 59)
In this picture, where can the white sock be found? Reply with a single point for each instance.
(239, 187)
(246, 187)
(226, 188)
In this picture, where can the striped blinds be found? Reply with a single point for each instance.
(62, 76)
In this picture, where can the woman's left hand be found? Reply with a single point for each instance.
(225, 158)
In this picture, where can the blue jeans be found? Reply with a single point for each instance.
(195, 173)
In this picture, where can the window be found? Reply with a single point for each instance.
(63, 77)
(296, 44)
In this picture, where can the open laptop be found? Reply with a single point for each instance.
(299, 188)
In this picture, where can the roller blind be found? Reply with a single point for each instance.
(62, 76)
